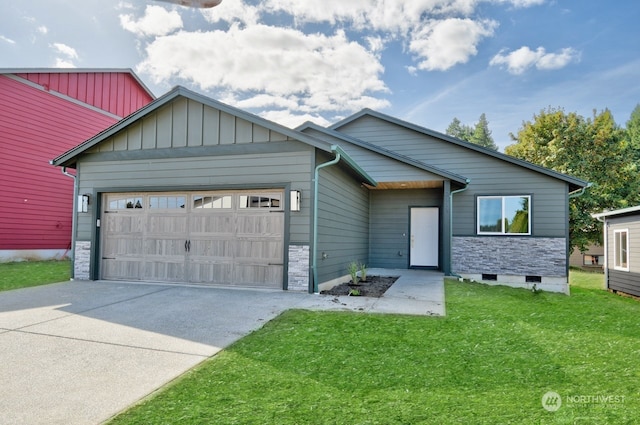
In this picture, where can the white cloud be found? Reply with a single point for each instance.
(232, 11)
(445, 43)
(157, 21)
(7, 40)
(291, 119)
(42, 29)
(296, 74)
(62, 63)
(518, 61)
(65, 50)
(523, 3)
(313, 72)
(388, 15)
(558, 60)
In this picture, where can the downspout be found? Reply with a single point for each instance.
(576, 193)
(579, 192)
(451, 273)
(316, 176)
(73, 219)
(605, 266)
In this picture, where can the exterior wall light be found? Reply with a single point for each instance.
(295, 200)
(83, 203)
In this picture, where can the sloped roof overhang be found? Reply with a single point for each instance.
(573, 182)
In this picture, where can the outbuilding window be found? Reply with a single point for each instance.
(621, 249)
(504, 215)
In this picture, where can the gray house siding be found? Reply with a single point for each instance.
(184, 146)
(389, 224)
(343, 222)
(621, 280)
(381, 168)
(203, 172)
(488, 175)
(185, 142)
(543, 254)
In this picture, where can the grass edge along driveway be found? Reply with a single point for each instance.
(491, 360)
(24, 274)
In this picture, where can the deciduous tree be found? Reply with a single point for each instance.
(595, 150)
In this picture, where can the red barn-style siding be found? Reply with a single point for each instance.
(115, 92)
(42, 115)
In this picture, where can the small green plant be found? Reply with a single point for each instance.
(353, 272)
(354, 292)
(363, 272)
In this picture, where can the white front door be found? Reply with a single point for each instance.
(424, 237)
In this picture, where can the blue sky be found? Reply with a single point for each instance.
(425, 61)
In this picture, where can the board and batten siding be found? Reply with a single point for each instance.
(620, 280)
(489, 175)
(389, 224)
(117, 91)
(343, 222)
(187, 123)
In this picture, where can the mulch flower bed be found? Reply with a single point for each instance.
(374, 286)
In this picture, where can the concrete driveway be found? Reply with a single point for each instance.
(80, 352)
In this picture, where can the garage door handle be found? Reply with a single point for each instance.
(187, 245)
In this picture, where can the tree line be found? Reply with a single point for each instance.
(594, 149)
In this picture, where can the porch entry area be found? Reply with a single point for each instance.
(424, 239)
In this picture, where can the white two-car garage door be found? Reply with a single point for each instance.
(222, 237)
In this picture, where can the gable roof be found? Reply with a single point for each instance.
(78, 71)
(385, 152)
(574, 183)
(69, 158)
(621, 212)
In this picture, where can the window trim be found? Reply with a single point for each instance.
(502, 198)
(616, 250)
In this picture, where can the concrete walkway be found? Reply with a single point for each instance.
(416, 292)
(80, 352)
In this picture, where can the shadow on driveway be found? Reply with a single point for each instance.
(80, 352)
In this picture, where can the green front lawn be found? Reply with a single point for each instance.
(491, 360)
(33, 273)
(586, 279)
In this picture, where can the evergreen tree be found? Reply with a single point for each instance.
(459, 130)
(479, 134)
(482, 135)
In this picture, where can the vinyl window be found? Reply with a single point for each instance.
(621, 249)
(504, 215)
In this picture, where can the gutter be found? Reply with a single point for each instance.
(73, 218)
(579, 192)
(451, 273)
(316, 176)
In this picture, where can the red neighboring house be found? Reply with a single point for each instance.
(44, 112)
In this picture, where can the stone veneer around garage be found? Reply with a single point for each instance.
(298, 268)
(82, 260)
(512, 259)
